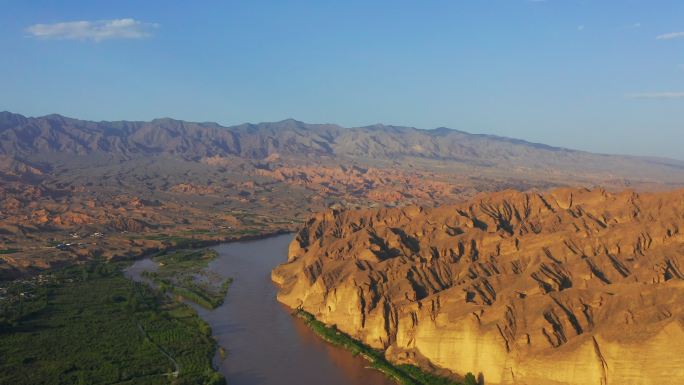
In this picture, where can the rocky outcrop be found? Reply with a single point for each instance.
(189, 188)
(565, 287)
(389, 186)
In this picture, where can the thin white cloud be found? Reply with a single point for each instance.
(93, 30)
(580, 28)
(656, 95)
(632, 26)
(670, 36)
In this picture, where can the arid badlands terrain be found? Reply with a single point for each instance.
(570, 286)
(526, 263)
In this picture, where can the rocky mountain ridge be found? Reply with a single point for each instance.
(568, 287)
(24, 137)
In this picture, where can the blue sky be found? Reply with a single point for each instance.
(598, 75)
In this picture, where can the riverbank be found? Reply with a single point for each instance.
(173, 243)
(137, 246)
(402, 374)
(262, 342)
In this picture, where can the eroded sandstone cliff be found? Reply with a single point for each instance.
(566, 287)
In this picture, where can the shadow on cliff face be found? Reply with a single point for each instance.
(408, 241)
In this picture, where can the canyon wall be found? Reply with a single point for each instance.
(567, 287)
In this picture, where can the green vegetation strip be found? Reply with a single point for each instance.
(178, 273)
(9, 251)
(175, 241)
(402, 374)
(91, 325)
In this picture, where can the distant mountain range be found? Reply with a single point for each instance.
(24, 137)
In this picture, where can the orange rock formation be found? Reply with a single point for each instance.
(568, 287)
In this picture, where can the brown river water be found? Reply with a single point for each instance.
(265, 344)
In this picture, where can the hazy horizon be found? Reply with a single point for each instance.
(680, 158)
